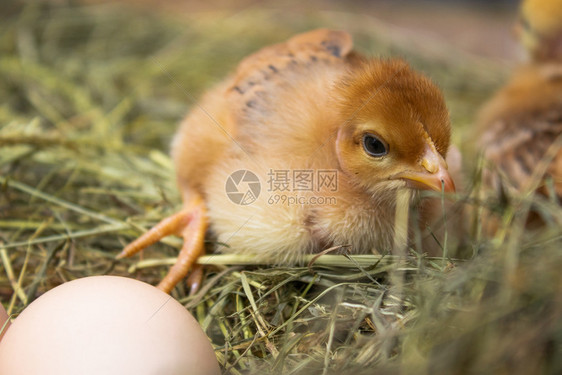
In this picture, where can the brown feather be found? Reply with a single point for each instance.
(520, 124)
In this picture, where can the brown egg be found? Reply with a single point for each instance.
(106, 325)
(3, 319)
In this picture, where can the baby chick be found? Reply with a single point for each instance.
(304, 148)
(519, 126)
(540, 29)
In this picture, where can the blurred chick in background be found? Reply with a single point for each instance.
(540, 29)
(309, 104)
(521, 125)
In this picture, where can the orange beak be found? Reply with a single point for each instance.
(433, 175)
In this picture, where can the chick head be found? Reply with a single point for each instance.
(540, 28)
(395, 129)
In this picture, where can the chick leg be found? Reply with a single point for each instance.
(193, 247)
(191, 224)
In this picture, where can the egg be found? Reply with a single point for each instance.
(3, 319)
(106, 325)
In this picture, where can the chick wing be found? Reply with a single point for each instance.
(519, 126)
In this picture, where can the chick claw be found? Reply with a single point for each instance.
(191, 224)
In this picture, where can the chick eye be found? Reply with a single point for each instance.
(374, 146)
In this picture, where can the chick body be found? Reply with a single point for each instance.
(520, 126)
(287, 108)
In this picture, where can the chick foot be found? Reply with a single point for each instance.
(191, 224)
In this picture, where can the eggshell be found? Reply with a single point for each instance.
(106, 325)
(3, 318)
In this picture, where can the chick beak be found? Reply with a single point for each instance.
(434, 174)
